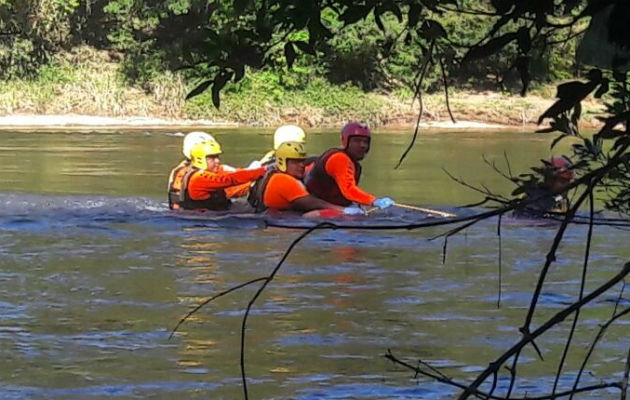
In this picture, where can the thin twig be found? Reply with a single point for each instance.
(418, 94)
(591, 349)
(507, 163)
(551, 257)
(589, 237)
(260, 290)
(493, 165)
(484, 191)
(440, 377)
(445, 80)
(619, 298)
(202, 304)
(624, 382)
(500, 262)
(551, 322)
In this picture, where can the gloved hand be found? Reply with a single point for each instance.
(353, 211)
(383, 202)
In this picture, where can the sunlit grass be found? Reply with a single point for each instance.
(89, 82)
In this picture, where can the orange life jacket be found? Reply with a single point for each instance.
(320, 184)
(257, 191)
(175, 181)
(217, 201)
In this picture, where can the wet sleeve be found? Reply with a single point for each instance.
(208, 181)
(241, 190)
(341, 169)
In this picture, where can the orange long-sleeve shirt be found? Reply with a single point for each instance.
(203, 183)
(341, 168)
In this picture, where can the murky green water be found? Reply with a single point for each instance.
(95, 272)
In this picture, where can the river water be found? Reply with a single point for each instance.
(95, 272)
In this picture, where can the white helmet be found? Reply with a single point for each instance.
(288, 133)
(192, 139)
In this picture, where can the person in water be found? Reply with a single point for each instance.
(177, 174)
(285, 133)
(336, 173)
(550, 196)
(281, 189)
(206, 185)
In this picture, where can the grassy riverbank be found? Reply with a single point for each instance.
(86, 82)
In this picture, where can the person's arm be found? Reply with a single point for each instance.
(310, 202)
(284, 191)
(203, 182)
(241, 190)
(341, 169)
(224, 180)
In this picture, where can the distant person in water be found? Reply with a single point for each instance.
(177, 174)
(281, 189)
(550, 196)
(336, 173)
(206, 185)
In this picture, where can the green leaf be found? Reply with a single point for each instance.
(603, 88)
(199, 89)
(577, 111)
(305, 47)
(355, 13)
(219, 82)
(491, 47)
(379, 23)
(432, 29)
(611, 134)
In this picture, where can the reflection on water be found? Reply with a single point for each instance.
(95, 272)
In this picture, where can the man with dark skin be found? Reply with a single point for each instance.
(282, 189)
(336, 173)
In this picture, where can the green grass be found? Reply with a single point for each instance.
(87, 82)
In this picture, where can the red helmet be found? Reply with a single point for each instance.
(354, 129)
(560, 167)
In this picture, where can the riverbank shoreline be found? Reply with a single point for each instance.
(88, 123)
(87, 91)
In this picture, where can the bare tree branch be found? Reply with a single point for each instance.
(589, 237)
(556, 319)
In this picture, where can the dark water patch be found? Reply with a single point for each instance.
(114, 390)
(105, 342)
(376, 391)
(311, 339)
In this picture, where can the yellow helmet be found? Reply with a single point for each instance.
(200, 151)
(289, 151)
(288, 133)
(192, 139)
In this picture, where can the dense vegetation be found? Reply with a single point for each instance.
(151, 37)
